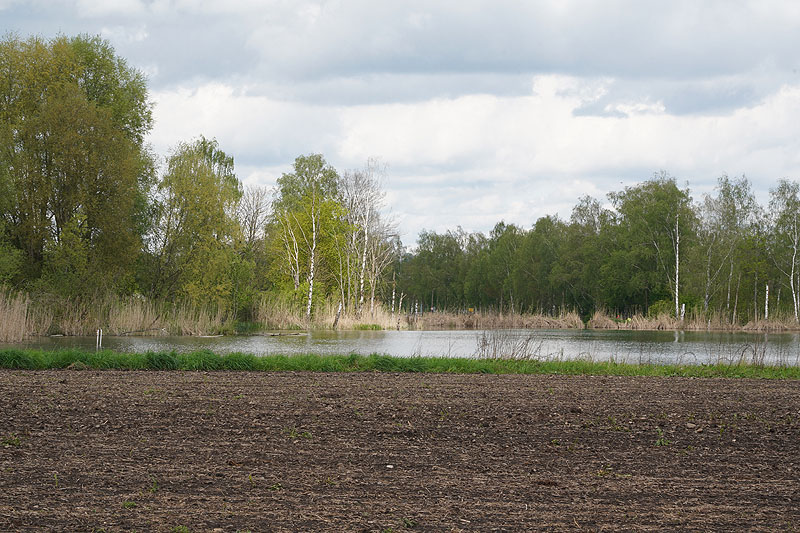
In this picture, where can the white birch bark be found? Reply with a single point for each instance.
(677, 263)
(312, 261)
(363, 262)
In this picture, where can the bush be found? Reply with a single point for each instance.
(661, 307)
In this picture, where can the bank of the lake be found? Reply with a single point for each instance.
(209, 361)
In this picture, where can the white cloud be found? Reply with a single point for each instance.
(126, 34)
(483, 110)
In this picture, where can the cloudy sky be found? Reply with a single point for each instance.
(481, 110)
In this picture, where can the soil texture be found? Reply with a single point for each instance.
(84, 450)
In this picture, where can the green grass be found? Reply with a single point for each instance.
(206, 360)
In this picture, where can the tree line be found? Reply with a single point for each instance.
(650, 250)
(88, 210)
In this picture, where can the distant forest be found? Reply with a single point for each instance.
(89, 212)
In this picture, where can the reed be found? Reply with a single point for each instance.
(693, 322)
(601, 320)
(494, 320)
(276, 311)
(22, 316)
(781, 323)
(377, 318)
(13, 316)
(135, 315)
(186, 319)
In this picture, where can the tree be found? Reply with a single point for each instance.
(368, 246)
(658, 215)
(191, 244)
(73, 118)
(725, 221)
(253, 214)
(306, 211)
(784, 244)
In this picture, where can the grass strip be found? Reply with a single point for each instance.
(206, 360)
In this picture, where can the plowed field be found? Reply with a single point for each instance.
(227, 451)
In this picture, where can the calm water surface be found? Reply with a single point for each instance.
(623, 346)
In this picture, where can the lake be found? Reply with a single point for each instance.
(660, 347)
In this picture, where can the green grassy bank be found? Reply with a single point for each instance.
(207, 360)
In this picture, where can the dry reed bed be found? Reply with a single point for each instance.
(495, 321)
(601, 320)
(22, 316)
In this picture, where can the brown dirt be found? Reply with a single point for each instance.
(159, 451)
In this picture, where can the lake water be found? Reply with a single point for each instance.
(662, 347)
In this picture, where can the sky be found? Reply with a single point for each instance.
(479, 111)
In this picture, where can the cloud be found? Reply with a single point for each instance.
(477, 159)
(484, 111)
(253, 128)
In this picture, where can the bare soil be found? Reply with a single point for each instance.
(226, 451)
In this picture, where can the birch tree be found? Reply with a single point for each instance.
(363, 199)
(371, 244)
(305, 209)
(784, 245)
(724, 223)
(658, 215)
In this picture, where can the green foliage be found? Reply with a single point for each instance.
(239, 361)
(83, 215)
(306, 227)
(36, 359)
(661, 307)
(662, 440)
(17, 359)
(71, 154)
(11, 261)
(161, 361)
(191, 245)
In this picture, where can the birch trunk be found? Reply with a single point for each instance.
(394, 288)
(677, 263)
(730, 279)
(363, 264)
(312, 262)
(792, 280)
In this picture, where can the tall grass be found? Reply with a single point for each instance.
(495, 320)
(22, 316)
(276, 311)
(208, 361)
(693, 322)
(13, 316)
(280, 312)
